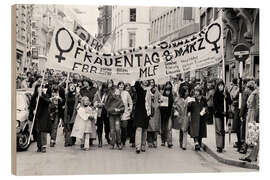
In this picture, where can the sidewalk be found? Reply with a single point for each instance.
(230, 155)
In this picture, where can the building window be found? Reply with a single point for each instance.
(187, 13)
(121, 39)
(131, 39)
(132, 15)
(209, 15)
(202, 20)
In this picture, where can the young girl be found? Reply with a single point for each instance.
(83, 122)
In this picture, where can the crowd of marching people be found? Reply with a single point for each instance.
(140, 112)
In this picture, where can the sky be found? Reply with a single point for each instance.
(88, 17)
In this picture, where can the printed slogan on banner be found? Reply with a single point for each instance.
(70, 53)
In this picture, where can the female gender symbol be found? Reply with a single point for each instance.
(216, 47)
(60, 56)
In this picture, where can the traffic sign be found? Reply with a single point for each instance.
(241, 52)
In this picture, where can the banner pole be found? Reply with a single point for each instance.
(35, 111)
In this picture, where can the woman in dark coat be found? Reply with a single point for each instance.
(197, 108)
(141, 116)
(166, 112)
(42, 124)
(219, 112)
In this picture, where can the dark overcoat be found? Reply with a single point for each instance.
(197, 122)
(140, 116)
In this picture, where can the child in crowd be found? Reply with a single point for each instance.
(83, 123)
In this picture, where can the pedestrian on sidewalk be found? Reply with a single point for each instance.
(198, 108)
(82, 128)
(180, 116)
(102, 115)
(166, 114)
(155, 119)
(115, 108)
(141, 115)
(221, 95)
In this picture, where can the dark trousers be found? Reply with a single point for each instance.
(166, 131)
(198, 140)
(220, 132)
(53, 132)
(67, 131)
(41, 139)
(237, 122)
(124, 131)
(210, 115)
(243, 130)
(131, 131)
(100, 121)
(152, 137)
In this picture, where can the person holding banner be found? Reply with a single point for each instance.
(141, 115)
(197, 108)
(221, 94)
(42, 123)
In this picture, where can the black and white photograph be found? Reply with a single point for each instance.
(114, 89)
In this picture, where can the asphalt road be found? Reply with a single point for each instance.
(62, 160)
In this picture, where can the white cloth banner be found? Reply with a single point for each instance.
(69, 53)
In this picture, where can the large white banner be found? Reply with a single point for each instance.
(69, 53)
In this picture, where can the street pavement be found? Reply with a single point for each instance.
(61, 160)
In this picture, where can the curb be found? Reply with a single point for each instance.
(229, 161)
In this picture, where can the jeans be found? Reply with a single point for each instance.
(100, 121)
(115, 129)
(140, 139)
(67, 131)
(41, 139)
(220, 132)
(166, 131)
(124, 131)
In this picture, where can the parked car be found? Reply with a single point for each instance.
(23, 125)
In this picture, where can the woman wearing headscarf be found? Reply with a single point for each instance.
(166, 112)
(197, 108)
(221, 95)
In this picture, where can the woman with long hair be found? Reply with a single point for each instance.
(42, 124)
(102, 116)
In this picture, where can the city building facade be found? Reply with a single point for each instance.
(173, 24)
(240, 26)
(130, 27)
(23, 36)
(104, 23)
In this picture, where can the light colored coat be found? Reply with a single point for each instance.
(180, 117)
(127, 100)
(84, 124)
